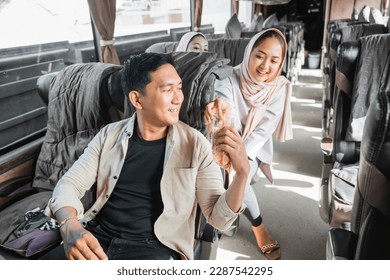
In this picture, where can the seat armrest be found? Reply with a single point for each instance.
(340, 244)
(14, 185)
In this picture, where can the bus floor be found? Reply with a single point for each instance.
(290, 206)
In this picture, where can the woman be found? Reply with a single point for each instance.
(259, 100)
(193, 42)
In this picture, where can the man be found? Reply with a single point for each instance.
(151, 171)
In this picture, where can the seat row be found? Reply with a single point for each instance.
(355, 120)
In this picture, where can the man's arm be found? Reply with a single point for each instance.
(67, 208)
(228, 140)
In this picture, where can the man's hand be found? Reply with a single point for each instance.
(80, 244)
(227, 139)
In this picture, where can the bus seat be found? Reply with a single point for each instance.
(271, 21)
(364, 14)
(354, 91)
(351, 32)
(233, 28)
(376, 16)
(78, 87)
(198, 72)
(368, 84)
(121, 104)
(257, 23)
(66, 127)
(162, 47)
(233, 49)
(337, 195)
(370, 225)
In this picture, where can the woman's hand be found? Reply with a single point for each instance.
(217, 108)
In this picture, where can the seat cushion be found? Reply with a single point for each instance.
(342, 184)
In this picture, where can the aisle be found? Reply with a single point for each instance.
(290, 206)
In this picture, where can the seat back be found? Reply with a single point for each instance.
(347, 55)
(371, 208)
(233, 28)
(354, 91)
(232, 49)
(370, 222)
(198, 72)
(351, 32)
(366, 86)
(340, 174)
(78, 106)
(257, 23)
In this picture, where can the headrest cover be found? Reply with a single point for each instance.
(43, 85)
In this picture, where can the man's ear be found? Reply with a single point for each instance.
(134, 97)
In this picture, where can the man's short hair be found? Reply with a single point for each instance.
(137, 69)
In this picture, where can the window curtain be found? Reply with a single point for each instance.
(198, 14)
(103, 14)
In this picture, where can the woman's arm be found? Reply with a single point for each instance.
(223, 105)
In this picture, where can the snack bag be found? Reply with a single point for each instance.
(220, 157)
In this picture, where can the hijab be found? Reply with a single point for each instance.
(186, 39)
(260, 94)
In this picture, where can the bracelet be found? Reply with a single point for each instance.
(65, 220)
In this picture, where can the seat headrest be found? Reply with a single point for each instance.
(233, 28)
(43, 86)
(388, 25)
(232, 49)
(364, 14)
(376, 16)
(115, 90)
(334, 42)
(162, 47)
(257, 23)
(286, 30)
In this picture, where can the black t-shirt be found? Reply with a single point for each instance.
(135, 203)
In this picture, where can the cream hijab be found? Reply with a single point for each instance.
(186, 39)
(260, 95)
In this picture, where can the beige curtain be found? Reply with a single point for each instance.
(236, 6)
(103, 16)
(198, 14)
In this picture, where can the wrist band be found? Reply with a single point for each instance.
(65, 220)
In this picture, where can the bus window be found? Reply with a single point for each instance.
(36, 39)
